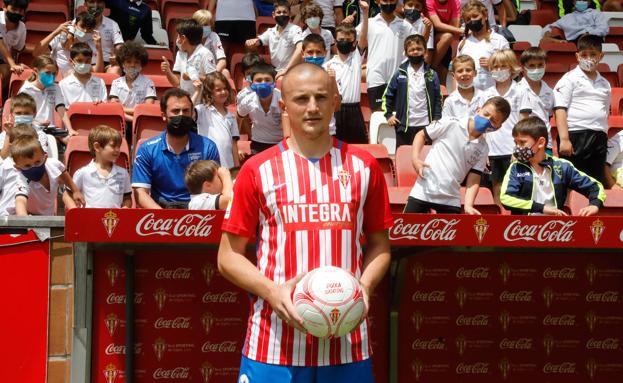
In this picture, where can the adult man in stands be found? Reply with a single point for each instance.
(132, 15)
(158, 172)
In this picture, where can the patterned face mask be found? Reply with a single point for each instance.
(523, 153)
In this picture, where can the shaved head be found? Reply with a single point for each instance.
(301, 73)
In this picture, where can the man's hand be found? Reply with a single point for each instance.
(393, 121)
(566, 148)
(553, 211)
(588, 211)
(419, 166)
(280, 299)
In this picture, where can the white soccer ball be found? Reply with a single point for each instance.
(330, 301)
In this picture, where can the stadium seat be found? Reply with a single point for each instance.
(484, 202)
(156, 20)
(560, 52)
(398, 198)
(108, 79)
(528, 33)
(612, 206)
(405, 173)
(387, 137)
(616, 97)
(178, 12)
(615, 36)
(161, 83)
(148, 121)
(517, 47)
(262, 23)
(542, 17)
(367, 115)
(53, 11)
(376, 120)
(528, 5)
(16, 81)
(615, 19)
(155, 59)
(166, 5)
(37, 31)
(84, 116)
(78, 155)
(381, 154)
(553, 72)
(615, 124)
(613, 56)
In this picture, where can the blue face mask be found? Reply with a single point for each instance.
(482, 124)
(581, 6)
(35, 173)
(23, 119)
(315, 60)
(263, 89)
(46, 79)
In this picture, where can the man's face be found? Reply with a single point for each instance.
(178, 106)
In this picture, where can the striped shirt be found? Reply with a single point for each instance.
(308, 214)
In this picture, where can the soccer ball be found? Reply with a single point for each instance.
(330, 301)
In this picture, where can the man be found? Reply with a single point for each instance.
(132, 15)
(158, 172)
(278, 196)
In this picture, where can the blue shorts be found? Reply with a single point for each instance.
(257, 372)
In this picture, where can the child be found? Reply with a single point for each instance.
(283, 40)
(413, 11)
(103, 183)
(109, 31)
(23, 112)
(39, 180)
(538, 97)
(537, 183)
(211, 40)
(412, 99)
(459, 150)
(133, 88)
(248, 61)
(261, 104)
(581, 107)
(214, 120)
(13, 32)
(210, 186)
(613, 171)
(82, 86)
(466, 99)
(193, 61)
(346, 66)
(582, 21)
(312, 16)
(481, 43)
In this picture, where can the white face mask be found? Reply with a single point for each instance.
(82, 68)
(535, 74)
(313, 22)
(206, 31)
(501, 75)
(588, 65)
(132, 72)
(465, 86)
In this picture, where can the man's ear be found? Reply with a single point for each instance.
(282, 105)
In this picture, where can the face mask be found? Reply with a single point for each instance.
(263, 89)
(82, 68)
(95, 10)
(535, 74)
(13, 17)
(313, 22)
(82, 36)
(24, 119)
(482, 124)
(132, 72)
(282, 20)
(501, 75)
(388, 9)
(466, 86)
(179, 126)
(35, 173)
(345, 47)
(248, 79)
(314, 60)
(412, 15)
(474, 25)
(178, 44)
(581, 6)
(206, 31)
(416, 60)
(46, 79)
(588, 65)
(523, 153)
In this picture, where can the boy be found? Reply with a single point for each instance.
(412, 99)
(261, 103)
(209, 184)
(613, 171)
(582, 21)
(13, 32)
(312, 17)
(23, 111)
(459, 150)
(109, 31)
(283, 40)
(82, 86)
(193, 61)
(345, 67)
(538, 97)
(39, 180)
(581, 107)
(211, 40)
(413, 11)
(466, 99)
(103, 183)
(537, 183)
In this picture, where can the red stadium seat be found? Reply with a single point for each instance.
(78, 155)
(262, 23)
(148, 121)
(542, 17)
(612, 206)
(615, 36)
(398, 198)
(381, 154)
(615, 124)
(484, 202)
(161, 83)
(181, 11)
(166, 5)
(53, 11)
(405, 172)
(37, 31)
(155, 59)
(108, 79)
(16, 81)
(519, 47)
(553, 72)
(84, 116)
(616, 98)
(560, 52)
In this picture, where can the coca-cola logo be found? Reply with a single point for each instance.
(518, 296)
(431, 296)
(564, 273)
(475, 320)
(605, 297)
(120, 349)
(225, 346)
(562, 320)
(428, 344)
(476, 273)
(562, 368)
(552, 231)
(516, 344)
(437, 229)
(179, 273)
(176, 373)
(224, 297)
(475, 368)
(189, 225)
(602, 344)
(119, 299)
(177, 323)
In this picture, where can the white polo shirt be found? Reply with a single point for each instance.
(540, 105)
(42, 137)
(329, 41)
(235, 10)
(419, 27)
(213, 43)
(418, 106)
(327, 6)
(458, 107)
(281, 45)
(220, 129)
(347, 76)
(75, 91)
(451, 157)
(100, 191)
(203, 201)
(15, 38)
(62, 55)
(615, 157)
(111, 36)
(199, 63)
(489, 5)
(142, 89)
(587, 102)
(501, 142)
(47, 99)
(10, 186)
(476, 49)
(42, 201)
(385, 48)
(266, 126)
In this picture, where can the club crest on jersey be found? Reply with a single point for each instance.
(344, 177)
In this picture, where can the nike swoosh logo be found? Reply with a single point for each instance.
(279, 186)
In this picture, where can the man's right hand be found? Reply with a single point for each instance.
(280, 299)
(565, 148)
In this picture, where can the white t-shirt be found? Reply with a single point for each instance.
(204, 201)
(615, 157)
(458, 107)
(75, 91)
(200, 63)
(40, 200)
(220, 129)
(587, 102)
(418, 105)
(501, 142)
(451, 157)
(234, 10)
(9, 186)
(489, 5)
(47, 100)
(328, 11)
(544, 191)
(100, 191)
(540, 105)
(111, 36)
(266, 126)
(347, 76)
(142, 89)
(42, 137)
(326, 35)
(62, 55)
(419, 27)
(476, 49)
(213, 43)
(281, 45)
(15, 38)
(385, 48)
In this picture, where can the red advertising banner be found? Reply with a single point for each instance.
(24, 281)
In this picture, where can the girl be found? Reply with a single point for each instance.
(214, 120)
(465, 100)
(480, 42)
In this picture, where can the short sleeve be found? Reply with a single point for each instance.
(456, 9)
(141, 170)
(211, 151)
(482, 162)
(217, 46)
(114, 89)
(264, 37)
(447, 110)
(116, 34)
(127, 186)
(58, 97)
(21, 42)
(614, 149)
(245, 105)
(242, 215)
(79, 178)
(102, 89)
(177, 66)
(437, 129)
(208, 62)
(377, 215)
(563, 92)
(150, 91)
(296, 35)
(233, 126)
(431, 7)
(55, 168)
(525, 103)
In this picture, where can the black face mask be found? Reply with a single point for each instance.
(474, 25)
(13, 17)
(415, 60)
(412, 15)
(345, 47)
(282, 20)
(179, 126)
(388, 8)
(95, 11)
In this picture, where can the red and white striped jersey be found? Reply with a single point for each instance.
(308, 214)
